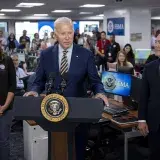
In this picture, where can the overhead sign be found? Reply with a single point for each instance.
(76, 25)
(45, 27)
(116, 26)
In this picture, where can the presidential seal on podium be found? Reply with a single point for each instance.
(54, 107)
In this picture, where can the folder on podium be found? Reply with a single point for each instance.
(61, 134)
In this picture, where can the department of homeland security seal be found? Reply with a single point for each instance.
(54, 107)
(110, 82)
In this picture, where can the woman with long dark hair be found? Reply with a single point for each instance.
(7, 89)
(12, 43)
(129, 53)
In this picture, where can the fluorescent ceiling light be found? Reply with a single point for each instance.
(92, 5)
(101, 15)
(156, 18)
(2, 14)
(62, 11)
(41, 15)
(10, 10)
(86, 13)
(29, 5)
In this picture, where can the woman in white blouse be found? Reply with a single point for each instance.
(120, 62)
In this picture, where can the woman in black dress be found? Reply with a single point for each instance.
(130, 55)
(7, 89)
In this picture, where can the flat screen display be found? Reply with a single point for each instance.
(142, 53)
(116, 83)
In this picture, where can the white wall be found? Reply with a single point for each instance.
(140, 22)
(136, 21)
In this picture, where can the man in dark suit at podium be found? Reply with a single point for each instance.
(78, 63)
(149, 110)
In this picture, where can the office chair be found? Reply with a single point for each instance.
(94, 149)
(102, 140)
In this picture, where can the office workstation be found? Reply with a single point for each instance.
(123, 117)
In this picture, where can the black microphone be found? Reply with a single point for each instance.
(63, 82)
(50, 83)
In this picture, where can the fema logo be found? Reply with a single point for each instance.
(45, 29)
(110, 26)
(110, 82)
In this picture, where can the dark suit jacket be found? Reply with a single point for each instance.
(82, 66)
(149, 109)
(151, 58)
(113, 49)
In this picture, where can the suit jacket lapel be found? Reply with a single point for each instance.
(73, 59)
(55, 58)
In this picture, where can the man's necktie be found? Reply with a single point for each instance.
(64, 63)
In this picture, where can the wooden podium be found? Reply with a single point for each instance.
(61, 134)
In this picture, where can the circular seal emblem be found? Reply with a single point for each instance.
(110, 26)
(54, 107)
(45, 29)
(2, 67)
(109, 82)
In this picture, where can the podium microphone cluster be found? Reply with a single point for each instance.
(50, 83)
(63, 83)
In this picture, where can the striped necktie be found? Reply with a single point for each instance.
(64, 63)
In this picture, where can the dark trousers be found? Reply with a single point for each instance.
(81, 137)
(5, 124)
(154, 144)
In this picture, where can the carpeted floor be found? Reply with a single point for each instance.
(136, 152)
(16, 145)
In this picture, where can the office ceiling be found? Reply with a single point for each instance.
(73, 5)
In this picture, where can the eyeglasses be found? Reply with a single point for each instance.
(15, 59)
(157, 41)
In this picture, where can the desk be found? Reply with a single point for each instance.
(127, 129)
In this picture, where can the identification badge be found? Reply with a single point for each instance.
(2, 67)
(102, 51)
(109, 54)
(114, 46)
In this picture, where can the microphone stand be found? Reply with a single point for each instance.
(63, 86)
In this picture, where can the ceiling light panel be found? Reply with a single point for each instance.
(92, 5)
(62, 11)
(10, 10)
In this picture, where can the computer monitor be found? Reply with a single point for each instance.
(116, 83)
(125, 69)
(142, 54)
(135, 89)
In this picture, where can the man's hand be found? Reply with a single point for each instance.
(2, 109)
(103, 97)
(31, 93)
(143, 128)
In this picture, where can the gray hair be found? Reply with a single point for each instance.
(63, 20)
(14, 55)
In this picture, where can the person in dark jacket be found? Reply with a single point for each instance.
(112, 50)
(7, 89)
(130, 55)
(149, 107)
(12, 42)
(151, 58)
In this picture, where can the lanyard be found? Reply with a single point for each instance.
(103, 43)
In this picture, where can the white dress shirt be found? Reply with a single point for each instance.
(20, 74)
(69, 55)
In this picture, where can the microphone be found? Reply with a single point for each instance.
(63, 82)
(50, 83)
